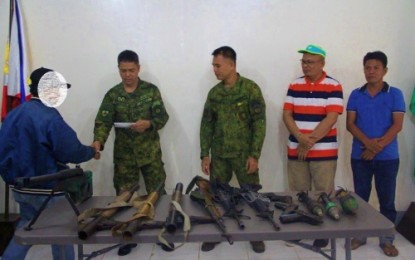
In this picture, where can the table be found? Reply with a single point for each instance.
(57, 225)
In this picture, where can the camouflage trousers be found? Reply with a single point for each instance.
(128, 174)
(222, 168)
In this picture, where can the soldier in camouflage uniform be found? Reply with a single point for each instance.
(137, 147)
(232, 128)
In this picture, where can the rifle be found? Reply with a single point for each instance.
(88, 229)
(313, 206)
(144, 211)
(258, 202)
(292, 214)
(226, 196)
(204, 197)
(64, 175)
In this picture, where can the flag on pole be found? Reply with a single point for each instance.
(16, 67)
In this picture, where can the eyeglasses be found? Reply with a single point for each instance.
(309, 62)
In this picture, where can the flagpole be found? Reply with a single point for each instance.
(6, 192)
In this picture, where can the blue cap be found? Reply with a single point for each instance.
(314, 49)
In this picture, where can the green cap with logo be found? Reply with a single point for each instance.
(313, 49)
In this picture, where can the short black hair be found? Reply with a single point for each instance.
(376, 55)
(226, 52)
(129, 56)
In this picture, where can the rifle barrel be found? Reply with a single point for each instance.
(90, 228)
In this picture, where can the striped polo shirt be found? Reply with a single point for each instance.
(310, 102)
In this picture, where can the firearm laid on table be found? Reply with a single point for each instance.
(102, 216)
(275, 197)
(258, 202)
(177, 218)
(145, 212)
(227, 196)
(291, 214)
(203, 195)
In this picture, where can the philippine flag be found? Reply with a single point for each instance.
(16, 68)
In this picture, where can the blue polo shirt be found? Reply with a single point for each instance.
(374, 117)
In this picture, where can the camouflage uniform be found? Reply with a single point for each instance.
(233, 128)
(133, 151)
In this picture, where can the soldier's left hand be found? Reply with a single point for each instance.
(251, 165)
(141, 125)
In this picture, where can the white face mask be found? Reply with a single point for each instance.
(52, 89)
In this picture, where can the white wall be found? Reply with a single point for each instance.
(174, 39)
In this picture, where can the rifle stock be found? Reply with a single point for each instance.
(88, 229)
(203, 196)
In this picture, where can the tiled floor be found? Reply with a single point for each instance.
(240, 251)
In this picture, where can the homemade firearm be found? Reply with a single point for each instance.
(313, 206)
(203, 196)
(258, 202)
(86, 230)
(347, 201)
(144, 212)
(275, 197)
(291, 213)
(331, 208)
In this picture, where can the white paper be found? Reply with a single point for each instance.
(123, 124)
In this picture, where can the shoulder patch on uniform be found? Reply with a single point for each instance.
(104, 113)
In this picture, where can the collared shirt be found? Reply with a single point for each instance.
(374, 116)
(310, 102)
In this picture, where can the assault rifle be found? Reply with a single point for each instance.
(203, 196)
(227, 197)
(258, 202)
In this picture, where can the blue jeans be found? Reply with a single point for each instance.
(29, 206)
(385, 173)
